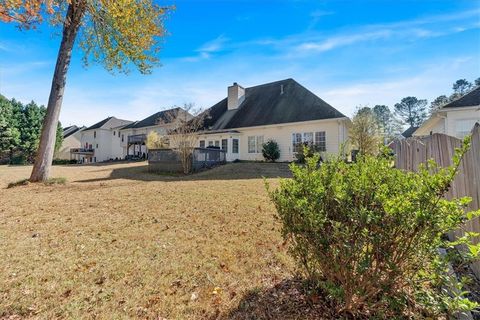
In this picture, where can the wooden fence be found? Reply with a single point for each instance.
(410, 153)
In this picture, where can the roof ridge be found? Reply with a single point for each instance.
(271, 83)
(461, 97)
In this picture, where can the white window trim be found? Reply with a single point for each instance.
(303, 137)
(238, 146)
(257, 147)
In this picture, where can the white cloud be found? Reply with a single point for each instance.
(417, 29)
(342, 40)
(208, 49)
(429, 82)
(214, 45)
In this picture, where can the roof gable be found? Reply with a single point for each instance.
(68, 131)
(109, 123)
(278, 102)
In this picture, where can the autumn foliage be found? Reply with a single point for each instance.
(114, 33)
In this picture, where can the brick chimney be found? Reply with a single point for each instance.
(236, 95)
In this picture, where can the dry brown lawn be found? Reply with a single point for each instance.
(116, 242)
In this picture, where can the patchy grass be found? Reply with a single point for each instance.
(22, 182)
(117, 242)
(49, 182)
(52, 181)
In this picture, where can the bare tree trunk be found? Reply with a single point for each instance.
(44, 157)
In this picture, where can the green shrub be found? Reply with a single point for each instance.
(367, 234)
(271, 150)
(64, 161)
(307, 151)
(19, 159)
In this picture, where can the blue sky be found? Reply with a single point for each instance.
(350, 53)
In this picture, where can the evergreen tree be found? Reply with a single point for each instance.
(9, 134)
(59, 137)
(460, 87)
(388, 125)
(412, 110)
(30, 129)
(438, 102)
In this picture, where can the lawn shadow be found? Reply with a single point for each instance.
(284, 301)
(230, 171)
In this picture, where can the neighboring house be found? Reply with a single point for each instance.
(456, 118)
(283, 111)
(409, 132)
(101, 142)
(134, 135)
(71, 139)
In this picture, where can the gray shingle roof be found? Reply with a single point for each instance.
(470, 99)
(114, 122)
(164, 116)
(265, 105)
(68, 131)
(409, 132)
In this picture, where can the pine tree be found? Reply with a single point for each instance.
(412, 111)
(9, 134)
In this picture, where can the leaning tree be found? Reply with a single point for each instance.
(114, 33)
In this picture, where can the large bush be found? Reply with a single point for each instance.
(367, 235)
(271, 151)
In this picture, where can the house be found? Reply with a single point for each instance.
(71, 139)
(101, 141)
(409, 132)
(456, 118)
(134, 135)
(283, 111)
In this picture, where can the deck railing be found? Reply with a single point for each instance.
(137, 138)
(81, 150)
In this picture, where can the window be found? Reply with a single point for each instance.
(317, 139)
(90, 147)
(297, 142)
(202, 143)
(210, 143)
(259, 144)
(251, 144)
(235, 146)
(308, 137)
(225, 145)
(123, 138)
(94, 134)
(96, 146)
(321, 141)
(463, 127)
(114, 133)
(255, 144)
(217, 143)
